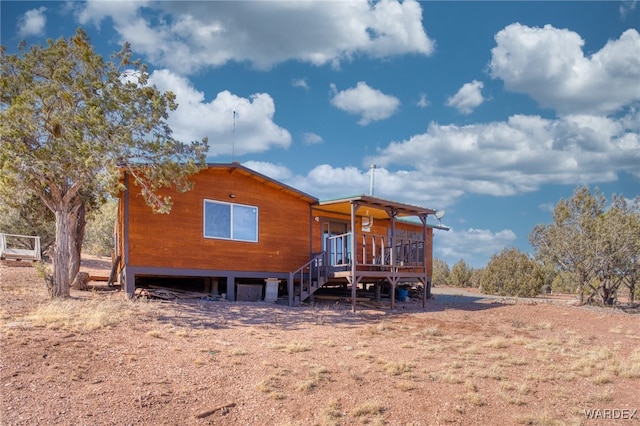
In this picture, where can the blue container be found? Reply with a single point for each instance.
(402, 294)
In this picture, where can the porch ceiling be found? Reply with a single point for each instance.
(372, 206)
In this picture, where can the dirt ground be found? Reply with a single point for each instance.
(98, 359)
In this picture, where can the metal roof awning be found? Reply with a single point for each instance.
(375, 207)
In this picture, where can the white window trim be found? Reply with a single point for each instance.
(204, 221)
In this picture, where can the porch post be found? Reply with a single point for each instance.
(354, 281)
(425, 286)
(129, 282)
(290, 288)
(231, 288)
(394, 274)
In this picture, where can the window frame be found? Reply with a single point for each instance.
(231, 233)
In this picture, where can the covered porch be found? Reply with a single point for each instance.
(385, 242)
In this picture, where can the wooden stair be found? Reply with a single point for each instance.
(307, 279)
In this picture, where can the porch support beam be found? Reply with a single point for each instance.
(354, 282)
(290, 288)
(423, 219)
(394, 270)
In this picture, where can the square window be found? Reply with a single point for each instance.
(230, 221)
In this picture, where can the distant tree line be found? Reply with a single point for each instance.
(592, 249)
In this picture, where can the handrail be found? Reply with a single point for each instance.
(314, 269)
(339, 249)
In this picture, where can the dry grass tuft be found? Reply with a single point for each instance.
(431, 332)
(332, 414)
(295, 347)
(497, 343)
(405, 386)
(272, 386)
(238, 351)
(367, 409)
(543, 419)
(476, 399)
(88, 315)
(398, 368)
(155, 333)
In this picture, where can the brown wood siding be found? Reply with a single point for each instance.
(177, 240)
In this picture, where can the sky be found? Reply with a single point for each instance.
(489, 111)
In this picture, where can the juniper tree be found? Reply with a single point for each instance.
(599, 247)
(71, 122)
(512, 273)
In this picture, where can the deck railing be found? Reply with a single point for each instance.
(375, 250)
(19, 247)
(304, 281)
(339, 249)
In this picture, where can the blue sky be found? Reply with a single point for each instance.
(492, 111)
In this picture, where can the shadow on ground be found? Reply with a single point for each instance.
(222, 314)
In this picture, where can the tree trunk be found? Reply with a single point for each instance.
(75, 245)
(61, 256)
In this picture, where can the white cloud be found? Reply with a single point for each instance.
(122, 11)
(520, 154)
(370, 104)
(311, 138)
(196, 118)
(627, 7)
(468, 98)
(472, 245)
(549, 65)
(326, 182)
(274, 171)
(547, 207)
(301, 83)
(188, 36)
(423, 102)
(32, 23)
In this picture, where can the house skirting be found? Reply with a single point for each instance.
(129, 274)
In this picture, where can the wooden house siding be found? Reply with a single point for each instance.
(171, 244)
(176, 240)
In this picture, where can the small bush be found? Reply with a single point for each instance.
(512, 273)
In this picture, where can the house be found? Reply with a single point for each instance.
(240, 233)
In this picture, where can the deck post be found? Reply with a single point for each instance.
(393, 294)
(129, 282)
(425, 280)
(354, 256)
(290, 288)
(392, 257)
(231, 288)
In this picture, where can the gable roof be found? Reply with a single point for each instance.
(239, 168)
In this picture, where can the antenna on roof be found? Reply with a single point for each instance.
(372, 172)
(439, 215)
(233, 140)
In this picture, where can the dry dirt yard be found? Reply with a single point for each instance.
(98, 359)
